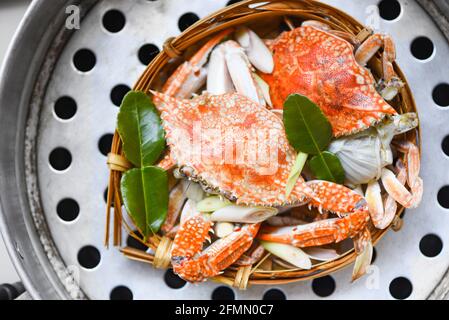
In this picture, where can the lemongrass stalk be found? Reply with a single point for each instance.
(295, 172)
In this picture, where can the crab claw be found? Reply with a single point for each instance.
(354, 213)
(218, 80)
(258, 53)
(336, 198)
(383, 212)
(229, 67)
(397, 190)
(193, 264)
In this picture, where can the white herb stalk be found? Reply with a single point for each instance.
(289, 253)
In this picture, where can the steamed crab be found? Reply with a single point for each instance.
(328, 66)
(244, 184)
(312, 60)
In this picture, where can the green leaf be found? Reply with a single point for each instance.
(145, 196)
(326, 166)
(140, 129)
(307, 129)
(295, 172)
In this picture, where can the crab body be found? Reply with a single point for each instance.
(232, 146)
(322, 66)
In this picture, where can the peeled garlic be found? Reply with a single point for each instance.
(363, 155)
(223, 229)
(242, 214)
(194, 191)
(188, 210)
(360, 157)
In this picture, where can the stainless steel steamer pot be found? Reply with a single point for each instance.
(39, 69)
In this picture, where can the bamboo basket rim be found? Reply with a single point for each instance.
(174, 49)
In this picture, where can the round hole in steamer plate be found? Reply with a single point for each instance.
(121, 293)
(172, 280)
(186, 20)
(84, 60)
(118, 93)
(431, 245)
(223, 293)
(274, 294)
(133, 243)
(445, 145)
(440, 95)
(65, 108)
(105, 143)
(60, 159)
(231, 2)
(373, 259)
(105, 197)
(324, 286)
(443, 197)
(400, 288)
(389, 9)
(114, 21)
(68, 209)
(89, 257)
(147, 53)
(422, 48)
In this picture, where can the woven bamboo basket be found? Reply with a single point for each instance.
(268, 19)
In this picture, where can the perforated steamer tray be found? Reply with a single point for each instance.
(66, 259)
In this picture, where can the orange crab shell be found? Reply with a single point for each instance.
(322, 67)
(233, 146)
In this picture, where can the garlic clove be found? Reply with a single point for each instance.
(223, 229)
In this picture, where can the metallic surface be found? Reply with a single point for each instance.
(41, 244)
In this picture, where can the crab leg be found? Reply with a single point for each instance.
(390, 83)
(282, 221)
(229, 67)
(348, 204)
(176, 201)
(383, 212)
(194, 264)
(257, 51)
(316, 24)
(370, 47)
(218, 80)
(252, 258)
(396, 189)
(191, 75)
(413, 166)
(325, 27)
